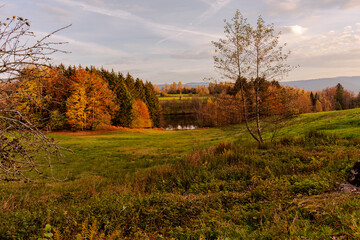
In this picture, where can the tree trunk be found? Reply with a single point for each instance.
(246, 114)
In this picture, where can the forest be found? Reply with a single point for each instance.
(77, 98)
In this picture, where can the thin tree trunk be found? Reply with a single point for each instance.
(246, 114)
(257, 107)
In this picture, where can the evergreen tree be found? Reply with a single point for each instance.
(70, 71)
(123, 116)
(339, 97)
(139, 90)
(152, 103)
(314, 99)
(130, 83)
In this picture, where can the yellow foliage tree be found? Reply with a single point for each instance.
(31, 97)
(91, 102)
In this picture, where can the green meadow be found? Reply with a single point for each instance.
(211, 183)
(170, 97)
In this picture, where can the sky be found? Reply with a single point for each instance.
(165, 41)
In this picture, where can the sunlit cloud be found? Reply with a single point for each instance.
(307, 6)
(296, 29)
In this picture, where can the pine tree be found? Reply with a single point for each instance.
(130, 83)
(339, 97)
(123, 116)
(152, 102)
(139, 90)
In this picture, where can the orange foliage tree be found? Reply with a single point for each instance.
(141, 115)
(91, 102)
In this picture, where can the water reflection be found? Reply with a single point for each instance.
(172, 122)
(179, 127)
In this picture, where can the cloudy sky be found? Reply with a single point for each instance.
(170, 40)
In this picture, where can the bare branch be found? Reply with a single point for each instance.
(25, 151)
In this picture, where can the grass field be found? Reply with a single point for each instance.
(210, 183)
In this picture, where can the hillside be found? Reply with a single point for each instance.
(349, 83)
(211, 183)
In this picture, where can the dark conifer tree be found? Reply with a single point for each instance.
(140, 90)
(339, 97)
(130, 83)
(152, 103)
(122, 117)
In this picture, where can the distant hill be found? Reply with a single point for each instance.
(349, 83)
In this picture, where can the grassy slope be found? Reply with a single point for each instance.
(344, 123)
(114, 179)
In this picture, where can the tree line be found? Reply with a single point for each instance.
(88, 98)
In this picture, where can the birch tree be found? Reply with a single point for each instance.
(251, 57)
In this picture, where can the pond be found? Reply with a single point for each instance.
(178, 121)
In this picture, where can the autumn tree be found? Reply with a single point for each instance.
(173, 88)
(91, 103)
(166, 88)
(41, 94)
(29, 97)
(250, 56)
(141, 117)
(180, 87)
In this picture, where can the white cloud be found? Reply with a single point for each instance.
(295, 29)
(334, 49)
(299, 7)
